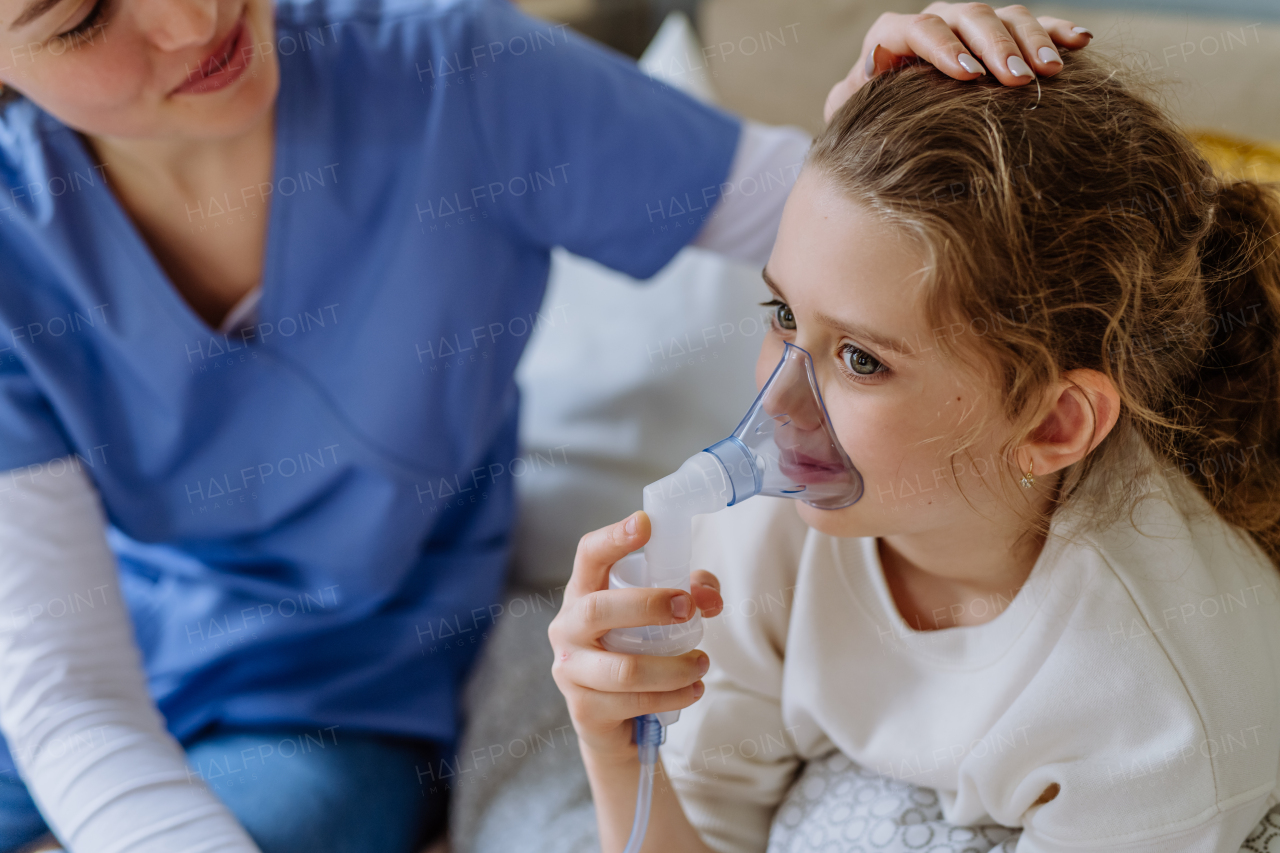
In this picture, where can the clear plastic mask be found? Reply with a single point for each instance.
(785, 446)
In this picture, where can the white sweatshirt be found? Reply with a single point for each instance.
(1138, 673)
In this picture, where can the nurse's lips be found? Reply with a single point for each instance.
(223, 66)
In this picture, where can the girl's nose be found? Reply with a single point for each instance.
(178, 24)
(791, 397)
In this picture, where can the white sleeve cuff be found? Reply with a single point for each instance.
(744, 223)
(74, 706)
(1230, 824)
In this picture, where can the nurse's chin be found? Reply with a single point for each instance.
(236, 108)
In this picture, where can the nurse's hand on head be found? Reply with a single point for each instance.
(965, 41)
(604, 689)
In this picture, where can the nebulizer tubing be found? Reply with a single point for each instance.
(784, 447)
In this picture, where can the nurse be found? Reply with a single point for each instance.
(265, 275)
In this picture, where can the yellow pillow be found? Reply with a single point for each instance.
(1235, 157)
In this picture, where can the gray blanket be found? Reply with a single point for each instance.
(518, 785)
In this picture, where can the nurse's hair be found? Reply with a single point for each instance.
(1072, 225)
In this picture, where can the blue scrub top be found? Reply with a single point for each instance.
(312, 517)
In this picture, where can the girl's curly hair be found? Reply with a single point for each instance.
(1070, 224)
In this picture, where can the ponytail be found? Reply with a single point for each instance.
(1231, 446)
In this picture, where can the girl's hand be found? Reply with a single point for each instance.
(964, 41)
(605, 689)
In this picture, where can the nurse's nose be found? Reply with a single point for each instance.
(177, 24)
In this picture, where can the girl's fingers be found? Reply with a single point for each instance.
(601, 710)
(706, 593)
(1037, 47)
(588, 618)
(610, 672)
(600, 549)
(705, 578)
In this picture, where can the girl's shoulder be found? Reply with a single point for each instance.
(1172, 583)
(1158, 669)
(1167, 546)
(1161, 541)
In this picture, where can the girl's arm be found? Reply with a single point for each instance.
(84, 734)
(613, 789)
(604, 690)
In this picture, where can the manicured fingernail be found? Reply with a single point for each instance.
(968, 63)
(1049, 55)
(1082, 30)
(631, 526)
(698, 689)
(1018, 67)
(704, 663)
(870, 67)
(681, 606)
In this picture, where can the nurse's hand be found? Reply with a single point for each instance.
(604, 689)
(964, 41)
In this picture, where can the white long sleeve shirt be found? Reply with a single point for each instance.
(80, 724)
(1139, 672)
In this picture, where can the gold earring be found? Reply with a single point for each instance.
(1029, 478)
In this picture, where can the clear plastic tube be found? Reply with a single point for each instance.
(648, 735)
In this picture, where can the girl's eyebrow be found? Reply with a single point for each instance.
(34, 10)
(852, 329)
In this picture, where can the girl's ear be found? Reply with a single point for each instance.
(1083, 408)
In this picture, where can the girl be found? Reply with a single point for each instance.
(1047, 336)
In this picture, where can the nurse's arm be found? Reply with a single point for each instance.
(86, 737)
(963, 40)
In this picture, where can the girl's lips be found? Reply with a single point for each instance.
(805, 469)
(223, 66)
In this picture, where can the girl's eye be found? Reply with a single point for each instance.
(781, 314)
(860, 362)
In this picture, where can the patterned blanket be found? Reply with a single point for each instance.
(837, 806)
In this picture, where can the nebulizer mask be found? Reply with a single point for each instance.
(784, 447)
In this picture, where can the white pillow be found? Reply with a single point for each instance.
(625, 380)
